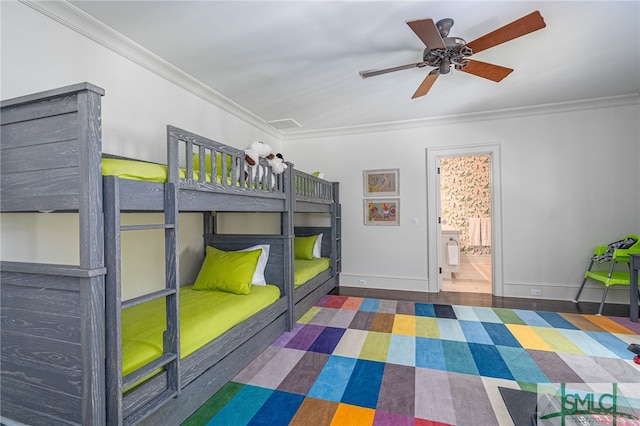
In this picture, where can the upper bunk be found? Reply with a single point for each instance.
(312, 194)
(51, 160)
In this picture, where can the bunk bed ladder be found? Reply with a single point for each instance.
(336, 224)
(117, 414)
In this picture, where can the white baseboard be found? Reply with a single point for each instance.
(548, 291)
(384, 283)
(552, 291)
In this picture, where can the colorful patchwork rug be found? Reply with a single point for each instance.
(360, 361)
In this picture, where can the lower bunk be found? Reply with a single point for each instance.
(254, 337)
(307, 294)
(56, 313)
(238, 322)
(316, 270)
(227, 317)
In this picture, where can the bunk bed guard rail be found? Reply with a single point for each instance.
(202, 164)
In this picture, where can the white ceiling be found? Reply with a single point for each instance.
(300, 59)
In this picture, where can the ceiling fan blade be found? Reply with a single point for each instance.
(426, 84)
(426, 30)
(372, 73)
(525, 25)
(489, 71)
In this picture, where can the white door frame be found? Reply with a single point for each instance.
(433, 210)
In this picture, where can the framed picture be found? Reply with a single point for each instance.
(379, 211)
(383, 183)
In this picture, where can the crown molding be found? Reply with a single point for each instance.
(560, 107)
(70, 16)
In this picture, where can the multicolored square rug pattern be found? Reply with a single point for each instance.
(360, 361)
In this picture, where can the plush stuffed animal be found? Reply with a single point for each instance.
(254, 153)
(277, 163)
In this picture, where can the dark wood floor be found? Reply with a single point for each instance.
(488, 300)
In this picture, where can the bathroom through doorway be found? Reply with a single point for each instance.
(436, 251)
(465, 223)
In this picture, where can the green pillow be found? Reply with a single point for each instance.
(229, 271)
(303, 247)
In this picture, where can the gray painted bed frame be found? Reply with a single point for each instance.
(60, 324)
(306, 295)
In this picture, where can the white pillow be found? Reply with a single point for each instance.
(258, 274)
(317, 247)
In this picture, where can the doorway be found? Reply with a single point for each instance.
(465, 223)
(437, 251)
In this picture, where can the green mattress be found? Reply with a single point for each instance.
(308, 269)
(153, 172)
(141, 170)
(204, 315)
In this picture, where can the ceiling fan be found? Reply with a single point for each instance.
(442, 51)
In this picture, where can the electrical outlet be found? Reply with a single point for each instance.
(535, 292)
(362, 282)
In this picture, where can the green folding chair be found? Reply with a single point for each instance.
(614, 253)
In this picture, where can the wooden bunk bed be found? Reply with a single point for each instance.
(61, 324)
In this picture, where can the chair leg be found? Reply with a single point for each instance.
(583, 283)
(604, 296)
(613, 266)
(580, 291)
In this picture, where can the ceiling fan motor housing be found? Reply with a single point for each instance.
(454, 42)
(455, 53)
